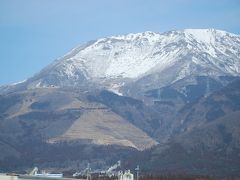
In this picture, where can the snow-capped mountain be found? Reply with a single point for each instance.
(179, 87)
(114, 62)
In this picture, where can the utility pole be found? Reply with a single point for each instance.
(88, 172)
(137, 169)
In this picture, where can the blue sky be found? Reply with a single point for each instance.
(33, 33)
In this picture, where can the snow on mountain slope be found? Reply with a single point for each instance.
(131, 56)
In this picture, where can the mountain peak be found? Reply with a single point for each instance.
(134, 36)
(207, 36)
(148, 35)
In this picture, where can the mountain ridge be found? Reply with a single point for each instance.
(114, 61)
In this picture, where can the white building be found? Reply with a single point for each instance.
(127, 175)
(8, 177)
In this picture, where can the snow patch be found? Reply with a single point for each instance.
(19, 82)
